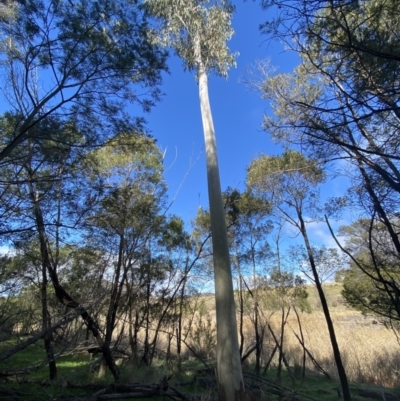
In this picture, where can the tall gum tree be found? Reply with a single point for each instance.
(198, 31)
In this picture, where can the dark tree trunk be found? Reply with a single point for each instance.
(46, 323)
(271, 357)
(303, 368)
(280, 346)
(281, 353)
(179, 329)
(259, 341)
(241, 314)
(61, 293)
(335, 347)
(146, 346)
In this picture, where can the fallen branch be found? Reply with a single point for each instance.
(269, 387)
(15, 394)
(124, 391)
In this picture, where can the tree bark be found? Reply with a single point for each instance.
(284, 318)
(46, 323)
(335, 347)
(241, 314)
(259, 336)
(230, 379)
(61, 293)
(281, 354)
(179, 329)
(113, 305)
(303, 368)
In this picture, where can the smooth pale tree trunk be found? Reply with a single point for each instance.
(230, 379)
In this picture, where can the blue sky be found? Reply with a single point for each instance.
(237, 113)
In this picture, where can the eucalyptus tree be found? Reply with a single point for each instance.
(342, 102)
(373, 272)
(46, 203)
(289, 182)
(198, 31)
(80, 61)
(127, 215)
(70, 68)
(129, 224)
(352, 46)
(34, 189)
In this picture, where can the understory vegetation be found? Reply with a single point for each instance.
(272, 291)
(366, 344)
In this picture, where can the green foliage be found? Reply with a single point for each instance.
(47, 168)
(278, 173)
(95, 55)
(288, 183)
(341, 102)
(283, 289)
(367, 295)
(129, 171)
(242, 205)
(174, 234)
(372, 279)
(365, 45)
(129, 153)
(248, 224)
(352, 45)
(238, 207)
(183, 23)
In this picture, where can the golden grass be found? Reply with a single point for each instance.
(370, 351)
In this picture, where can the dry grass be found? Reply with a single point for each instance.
(370, 351)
